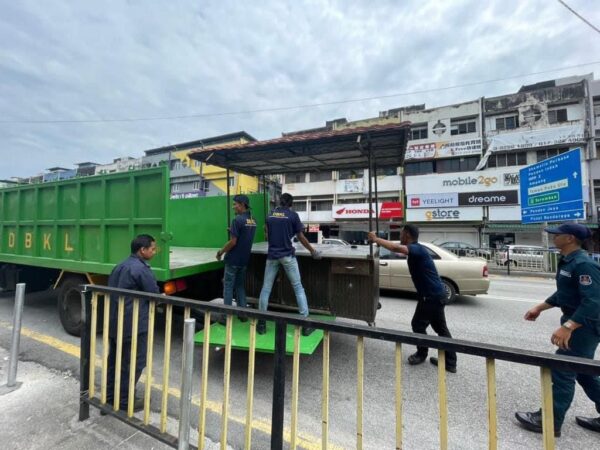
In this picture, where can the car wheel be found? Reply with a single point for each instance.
(450, 291)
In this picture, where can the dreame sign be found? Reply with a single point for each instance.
(453, 199)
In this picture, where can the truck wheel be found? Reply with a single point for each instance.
(69, 304)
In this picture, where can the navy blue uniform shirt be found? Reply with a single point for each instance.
(243, 228)
(135, 274)
(423, 272)
(282, 225)
(578, 288)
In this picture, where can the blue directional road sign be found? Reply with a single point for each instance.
(551, 190)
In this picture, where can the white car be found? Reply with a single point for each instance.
(332, 241)
(464, 276)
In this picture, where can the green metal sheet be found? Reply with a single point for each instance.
(202, 222)
(85, 224)
(265, 343)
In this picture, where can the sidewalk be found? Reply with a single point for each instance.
(43, 413)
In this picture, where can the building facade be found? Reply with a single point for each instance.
(460, 180)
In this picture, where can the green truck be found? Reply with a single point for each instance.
(66, 233)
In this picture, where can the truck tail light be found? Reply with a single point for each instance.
(486, 271)
(171, 287)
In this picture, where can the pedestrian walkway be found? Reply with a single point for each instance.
(43, 414)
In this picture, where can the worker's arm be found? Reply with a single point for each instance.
(391, 246)
(306, 244)
(230, 244)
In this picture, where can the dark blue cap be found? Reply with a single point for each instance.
(243, 199)
(581, 232)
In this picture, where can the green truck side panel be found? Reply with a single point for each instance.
(202, 222)
(85, 224)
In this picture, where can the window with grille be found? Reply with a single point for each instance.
(295, 177)
(549, 153)
(507, 123)
(418, 133)
(351, 174)
(557, 115)
(463, 126)
(507, 159)
(321, 205)
(320, 176)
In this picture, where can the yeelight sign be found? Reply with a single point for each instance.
(551, 190)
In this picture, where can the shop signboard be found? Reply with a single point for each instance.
(387, 210)
(443, 149)
(479, 198)
(502, 179)
(458, 214)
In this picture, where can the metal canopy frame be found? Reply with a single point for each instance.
(351, 148)
(332, 150)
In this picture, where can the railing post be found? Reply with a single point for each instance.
(187, 369)
(15, 342)
(84, 362)
(278, 387)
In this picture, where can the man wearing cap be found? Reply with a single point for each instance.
(282, 225)
(237, 252)
(578, 296)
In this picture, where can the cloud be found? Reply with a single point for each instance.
(120, 60)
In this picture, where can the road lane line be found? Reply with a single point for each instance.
(305, 441)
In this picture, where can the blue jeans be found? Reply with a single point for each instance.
(583, 343)
(290, 265)
(234, 279)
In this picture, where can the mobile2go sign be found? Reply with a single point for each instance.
(552, 190)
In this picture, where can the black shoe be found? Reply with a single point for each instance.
(589, 423)
(222, 320)
(261, 327)
(433, 360)
(307, 331)
(378, 305)
(532, 421)
(415, 359)
(242, 318)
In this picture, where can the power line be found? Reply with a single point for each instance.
(579, 15)
(294, 107)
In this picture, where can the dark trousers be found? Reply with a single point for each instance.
(583, 343)
(142, 345)
(431, 312)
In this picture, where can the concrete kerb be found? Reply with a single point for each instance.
(44, 414)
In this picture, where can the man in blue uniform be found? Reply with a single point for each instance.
(237, 252)
(578, 296)
(134, 273)
(282, 225)
(430, 290)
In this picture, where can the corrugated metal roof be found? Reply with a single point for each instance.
(323, 150)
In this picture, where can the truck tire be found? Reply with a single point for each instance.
(69, 304)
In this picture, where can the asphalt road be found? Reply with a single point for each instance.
(494, 318)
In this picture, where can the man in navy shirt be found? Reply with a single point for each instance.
(282, 225)
(237, 253)
(430, 290)
(134, 273)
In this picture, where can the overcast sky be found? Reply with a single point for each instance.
(74, 60)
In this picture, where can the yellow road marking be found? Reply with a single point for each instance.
(305, 441)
